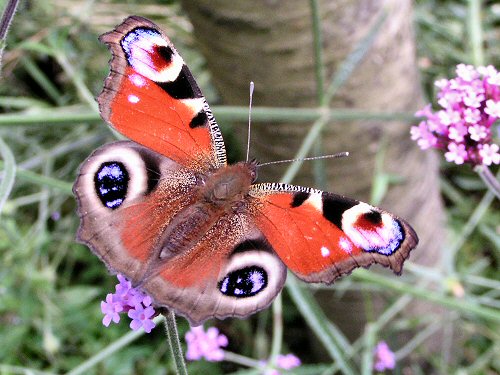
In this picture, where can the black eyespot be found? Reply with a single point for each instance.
(111, 184)
(245, 282)
(373, 217)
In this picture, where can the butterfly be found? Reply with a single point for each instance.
(196, 234)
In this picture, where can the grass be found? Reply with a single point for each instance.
(51, 287)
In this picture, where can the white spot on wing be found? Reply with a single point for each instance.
(315, 200)
(325, 251)
(345, 244)
(133, 99)
(195, 104)
(137, 80)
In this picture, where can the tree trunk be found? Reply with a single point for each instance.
(270, 42)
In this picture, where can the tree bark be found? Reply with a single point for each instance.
(271, 43)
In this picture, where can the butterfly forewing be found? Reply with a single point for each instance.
(320, 236)
(152, 98)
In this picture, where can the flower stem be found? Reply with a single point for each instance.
(475, 32)
(277, 327)
(241, 360)
(489, 179)
(175, 345)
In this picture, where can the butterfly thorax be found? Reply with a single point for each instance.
(228, 185)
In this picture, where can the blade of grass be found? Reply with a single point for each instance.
(21, 102)
(8, 369)
(369, 338)
(108, 351)
(484, 362)
(71, 115)
(461, 305)
(43, 81)
(354, 58)
(9, 175)
(67, 116)
(57, 43)
(468, 228)
(318, 52)
(318, 164)
(38, 179)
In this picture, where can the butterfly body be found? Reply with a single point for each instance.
(218, 196)
(198, 235)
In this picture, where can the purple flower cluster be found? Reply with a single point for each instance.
(287, 361)
(384, 357)
(128, 300)
(209, 344)
(205, 344)
(470, 106)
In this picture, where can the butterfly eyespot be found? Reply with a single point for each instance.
(244, 282)
(111, 184)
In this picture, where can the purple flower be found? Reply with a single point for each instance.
(287, 361)
(384, 357)
(205, 344)
(470, 107)
(111, 310)
(129, 300)
(283, 361)
(141, 317)
(492, 108)
(490, 154)
(456, 153)
(123, 286)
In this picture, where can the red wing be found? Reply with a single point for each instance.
(151, 97)
(320, 236)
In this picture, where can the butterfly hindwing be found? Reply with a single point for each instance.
(229, 273)
(320, 236)
(151, 97)
(126, 195)
(142, 215)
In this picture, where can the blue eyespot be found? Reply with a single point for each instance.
(111, 184)
(245, 282)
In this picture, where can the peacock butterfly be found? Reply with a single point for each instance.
(196, 234)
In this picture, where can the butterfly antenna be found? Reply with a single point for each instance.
(249, 119)
(333, 156)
